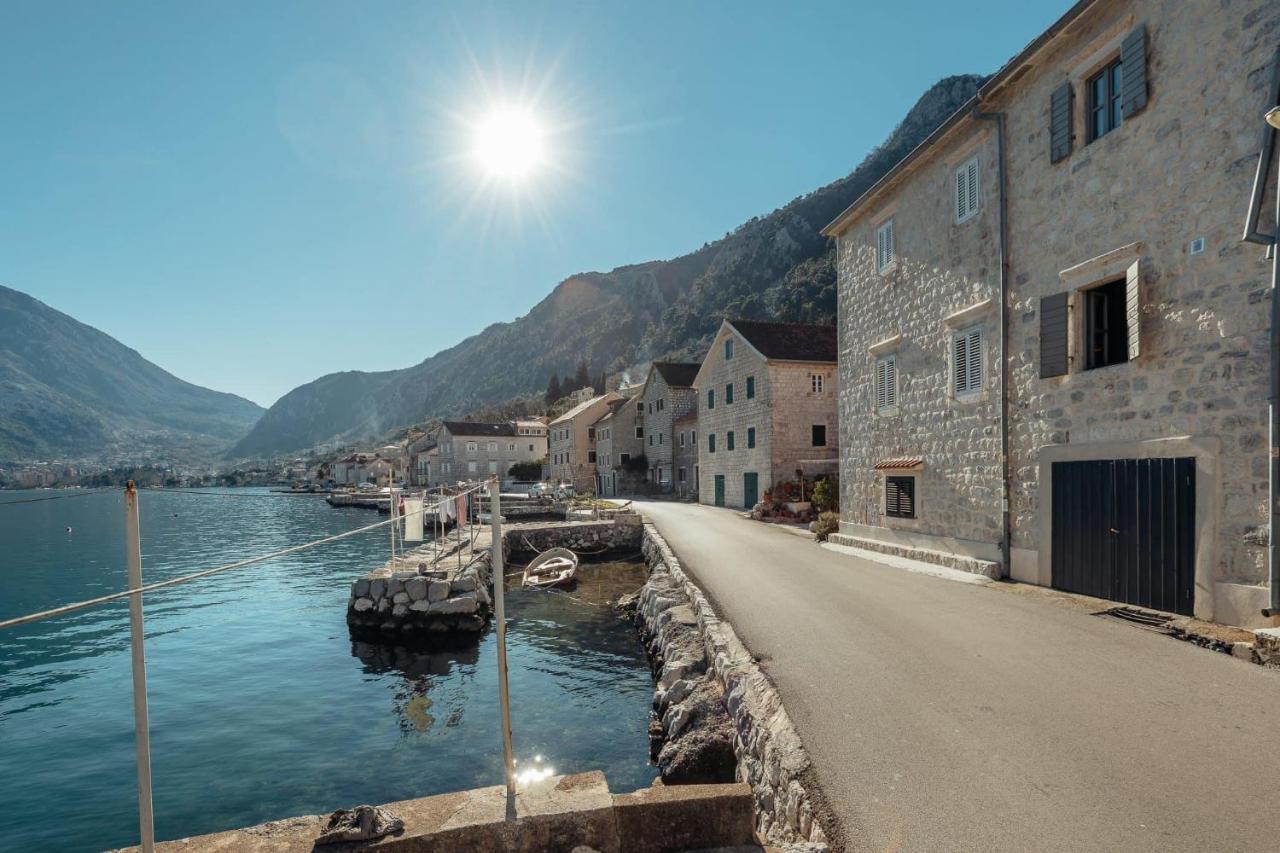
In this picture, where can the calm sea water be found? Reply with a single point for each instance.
(261, 704)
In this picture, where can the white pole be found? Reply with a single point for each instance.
(141, 729)
(499, 580)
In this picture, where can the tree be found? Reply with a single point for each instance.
(603, 385)
(582, 378)
(554, 391)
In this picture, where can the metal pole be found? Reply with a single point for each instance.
(499, 610)
(141, 729)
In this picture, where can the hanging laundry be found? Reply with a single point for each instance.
(412, 508)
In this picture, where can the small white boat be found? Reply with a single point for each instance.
(555, 567)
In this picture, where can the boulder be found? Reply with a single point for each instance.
(363, 605)
(420, 606)
(400, 598)
(465, 603)
(438, 590)
(466, 583)
(378, 588)
(361, 588)
(416, 588)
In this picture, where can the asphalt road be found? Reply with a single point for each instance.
(951, 716)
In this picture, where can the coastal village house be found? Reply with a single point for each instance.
(667, 394)
(573, 442)
(1058, 270)
(685, 454)
(477, 451)
(767, 395)
(619, 439)
(606, 476)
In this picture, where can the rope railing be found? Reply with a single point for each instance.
(43, 498)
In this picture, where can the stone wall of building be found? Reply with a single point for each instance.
(658, 421)
(1178, 171)
(796, 408)
(942, 267)
(685, 456)
(743, 413)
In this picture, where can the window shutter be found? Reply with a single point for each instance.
(1053, 335)
(973, 185)
(882, 383)
(907, 497)
(1133, 64)
(962, 192)
(1060, 123)
(1133, 308)
(890, 382)
(888, 240)
(974, 377)
(891, 496)
(960, 371)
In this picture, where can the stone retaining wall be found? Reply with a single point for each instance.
(699, 656)
(618, 535)
(960, 562)
(420, 600)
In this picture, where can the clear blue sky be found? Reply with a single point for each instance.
(255, 194)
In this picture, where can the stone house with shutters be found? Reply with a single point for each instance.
(667, 395)
(767, 395)
(685, 455)
(1047, 306)
(572, 451)
(476, 451)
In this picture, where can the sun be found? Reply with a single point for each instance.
(510, 142)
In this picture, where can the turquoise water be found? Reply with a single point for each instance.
(261, 704)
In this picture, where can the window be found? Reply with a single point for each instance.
(493, 447)
(884, 247)
(728, 440)
(966, 362)
(1106, 326)
(471, 467)
(624, 458)
(639, 432)
(680, 475)
(660, 438)
(511, 447)
(471, 447)
(886, 383)
(711, 398)
(651, 440)
(493, 467)
(728, 353)
(651, 408)
(1105, 110)
(967, 178)
(639, 408)
(728, 394)
(662, 404)
(591, 433)
(900, 497)
(531, 448)
(591, 456)
(711, 443)
(818, 434)
(751, 387)
(815, 382)
(693, 436)
(682, 438)
(751, 437)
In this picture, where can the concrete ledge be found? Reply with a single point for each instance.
(959, 562)
(554, 814)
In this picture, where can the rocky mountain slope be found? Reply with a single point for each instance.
(68, 390)
(776, 266)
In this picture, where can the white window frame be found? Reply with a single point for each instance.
(886, 251)
(968, 368)
(966, 199)
(885, 384)
(815, 382)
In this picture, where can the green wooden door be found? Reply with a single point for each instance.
(719, 489)
(750, 489)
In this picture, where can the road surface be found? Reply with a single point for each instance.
(952, 716)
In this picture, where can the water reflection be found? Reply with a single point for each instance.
(425, 668)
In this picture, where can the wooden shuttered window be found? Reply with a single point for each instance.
(900, 497)
(886, 385)
(1053, 335)
(1133, 308)
(1133, 61)
(884, 246)
(1060, 123)
(966, 358)
(966, 186)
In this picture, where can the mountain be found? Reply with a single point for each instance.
(776, 266)
(68, 390)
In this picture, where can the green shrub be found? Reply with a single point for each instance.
(826, 495)
(825, 525)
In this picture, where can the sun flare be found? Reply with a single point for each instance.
(509, 142)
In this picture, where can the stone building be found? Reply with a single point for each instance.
(1133, 334)
(667, 394)
(767, 394)
(685, 455)
(573, 443)
(620, 439)
(477, 451)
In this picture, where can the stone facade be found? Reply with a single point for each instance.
(770, 406)
(616, 443)
(1158, 203)
(668, 394)
(573, 443)
(475, 451)
(685, 455)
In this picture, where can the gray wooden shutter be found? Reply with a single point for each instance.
(1133, 308)
(1133, 60)
(1053, 335)
(1060, 123)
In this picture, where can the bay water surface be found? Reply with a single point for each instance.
(261, 704)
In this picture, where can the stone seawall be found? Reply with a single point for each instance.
(620, 534)
(417, 596)
(700, 664)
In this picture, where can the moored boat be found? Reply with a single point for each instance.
(554, 567)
